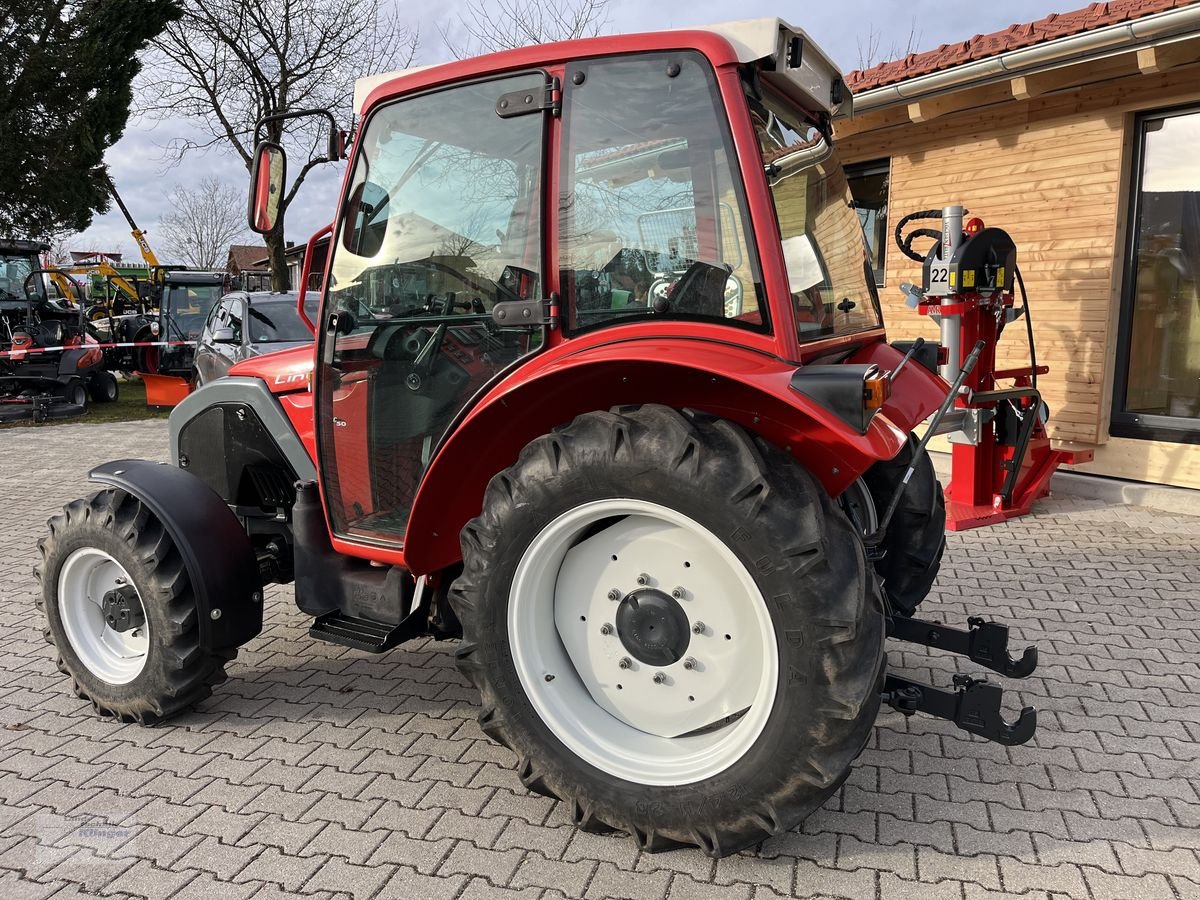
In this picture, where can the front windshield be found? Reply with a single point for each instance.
(832, 287)
(190, 305)
(13, 272)
(277, 321)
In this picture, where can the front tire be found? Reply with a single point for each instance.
(103, 387)
(75, 393)
(723, 694)
(111, 542)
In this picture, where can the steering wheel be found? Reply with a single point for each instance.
(817, 304)
(363, 311)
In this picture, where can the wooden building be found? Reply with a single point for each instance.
(1079, 134)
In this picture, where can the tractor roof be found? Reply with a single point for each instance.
(789, 58)
(12, 247)
(182, 276)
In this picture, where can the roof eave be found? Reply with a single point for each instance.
(1095, 44)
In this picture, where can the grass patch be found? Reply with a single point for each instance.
(130, 407)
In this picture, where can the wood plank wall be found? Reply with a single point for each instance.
(1050, 171)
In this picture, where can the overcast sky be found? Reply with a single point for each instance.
(145, 180)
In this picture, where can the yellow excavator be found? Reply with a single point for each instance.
(70, 289)
(139, 238)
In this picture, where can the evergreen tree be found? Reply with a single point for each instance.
(66, 69)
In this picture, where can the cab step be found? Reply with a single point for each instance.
(361, 634)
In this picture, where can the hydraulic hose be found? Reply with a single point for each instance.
(905, 243)
(1028, 330)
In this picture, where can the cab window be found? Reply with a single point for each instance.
(653, 217)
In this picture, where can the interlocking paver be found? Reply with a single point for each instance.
(316, 769)
(536, 870)
(288, 871)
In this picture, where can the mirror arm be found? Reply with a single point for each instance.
(337, 145)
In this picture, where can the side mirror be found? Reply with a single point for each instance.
(267, 178)
(224, 336)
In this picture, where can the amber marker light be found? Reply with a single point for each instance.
(876, 390)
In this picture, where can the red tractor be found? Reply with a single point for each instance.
(600, 388)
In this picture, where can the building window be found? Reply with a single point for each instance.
(1156, 394)
(869, 187)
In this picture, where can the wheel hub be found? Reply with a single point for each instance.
(653, 627)
(122, 609)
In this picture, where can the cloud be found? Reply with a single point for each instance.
(145, 176)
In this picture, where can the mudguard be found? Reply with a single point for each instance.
(752, 389)
(217, 552)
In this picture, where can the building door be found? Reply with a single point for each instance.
(1157, 391)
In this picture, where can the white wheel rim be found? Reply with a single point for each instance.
(112, 656)
(642, 731)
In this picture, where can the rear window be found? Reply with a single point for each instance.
(831, 280)
(277, 321)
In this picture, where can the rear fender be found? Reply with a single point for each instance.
(743, 386)
(217, 552)
(916, 392)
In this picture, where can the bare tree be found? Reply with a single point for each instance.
(485, 27)
(61, 244)
(228, 63)
(871, 51)
(203, 223)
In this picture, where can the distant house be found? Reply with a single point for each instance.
(247, 267)
(1078, 135)
(293, 258)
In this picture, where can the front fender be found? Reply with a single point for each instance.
(216, 551)
(744, 386)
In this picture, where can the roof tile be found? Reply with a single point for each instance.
(982, 46)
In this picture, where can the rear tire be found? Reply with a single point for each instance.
(916, 536)
(150, 673)
(807, 649)
(103, 387)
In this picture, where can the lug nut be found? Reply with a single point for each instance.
(659, 678)
(614, 594)
(643, 579)
(215, 614)
(698, 628)
(689, 663)
(606, 629)
(625, 662)
(678, 593)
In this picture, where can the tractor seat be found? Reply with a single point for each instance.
(46, 334)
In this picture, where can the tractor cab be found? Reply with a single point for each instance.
(19, 285)
(165, 362)
(187, 300)
(574, 195)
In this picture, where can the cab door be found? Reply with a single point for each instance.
(442, 220)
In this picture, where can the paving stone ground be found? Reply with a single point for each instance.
(318, 771)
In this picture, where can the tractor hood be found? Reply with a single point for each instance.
(283, 371)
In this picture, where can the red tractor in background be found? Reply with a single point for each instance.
(666, 491)
(50, 365)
